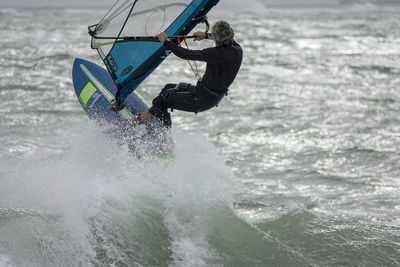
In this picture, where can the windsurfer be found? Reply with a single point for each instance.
(223, 63)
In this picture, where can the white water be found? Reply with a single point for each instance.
(94, 191)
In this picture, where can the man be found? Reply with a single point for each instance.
(223, 63)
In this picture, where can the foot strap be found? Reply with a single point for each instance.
(116, 105)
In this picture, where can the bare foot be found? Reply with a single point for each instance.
(146, 116)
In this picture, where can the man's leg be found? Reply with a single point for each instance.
(159, 108)
(180, 97)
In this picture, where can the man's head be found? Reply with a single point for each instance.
(222, 33)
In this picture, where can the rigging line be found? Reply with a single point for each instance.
(116, 12)
(106, 14)
(120, 9)
(158, 7)
(151, 15)
(196, 72)
(126, 20)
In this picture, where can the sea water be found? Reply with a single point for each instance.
(299, 165)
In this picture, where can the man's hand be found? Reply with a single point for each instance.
(199, 36)
(162, 37)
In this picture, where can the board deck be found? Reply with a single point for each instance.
(95, 90)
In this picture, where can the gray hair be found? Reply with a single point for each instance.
(222, 33)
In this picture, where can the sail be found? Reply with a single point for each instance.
(125, 40)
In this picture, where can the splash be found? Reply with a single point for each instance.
(95, 204)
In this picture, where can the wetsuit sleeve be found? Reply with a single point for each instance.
(236, 44)
(208, 55)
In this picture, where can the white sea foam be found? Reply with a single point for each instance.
(5, 261)
(96, 185)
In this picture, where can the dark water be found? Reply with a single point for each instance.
(298, 166)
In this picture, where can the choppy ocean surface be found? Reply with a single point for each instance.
(298, 166)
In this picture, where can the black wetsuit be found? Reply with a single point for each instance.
(223, 63)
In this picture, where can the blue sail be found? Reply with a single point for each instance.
(125, 38)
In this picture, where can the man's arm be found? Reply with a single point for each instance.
(207, 55)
